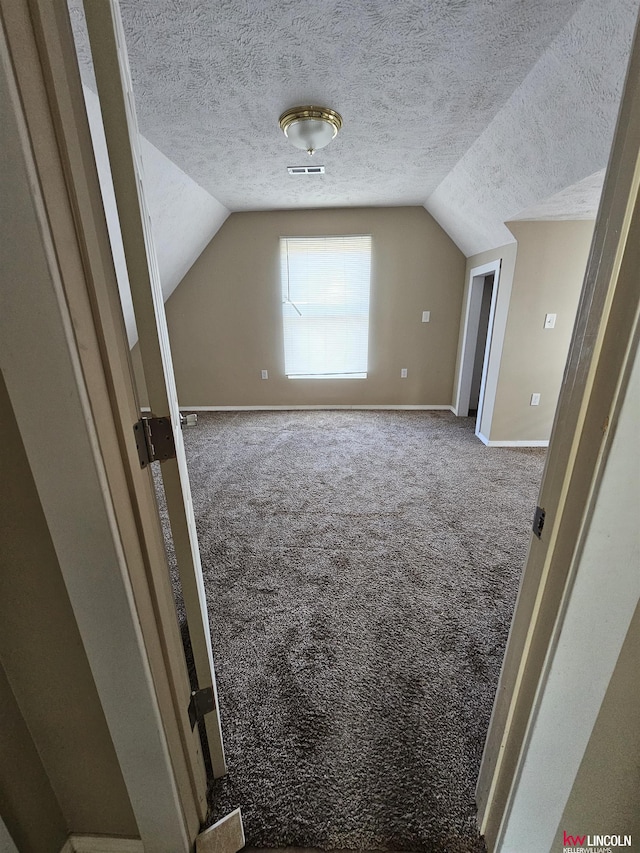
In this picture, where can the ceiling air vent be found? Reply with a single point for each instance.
(305, 170)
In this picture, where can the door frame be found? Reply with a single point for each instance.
(117, 105)
(475, 288)
(604, 342)
(63, 339)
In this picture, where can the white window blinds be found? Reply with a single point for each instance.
(325, 306)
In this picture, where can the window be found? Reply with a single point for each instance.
(325, 306)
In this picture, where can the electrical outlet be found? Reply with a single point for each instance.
(550, 321)
(403, 373)
(426, 316)
(264, 374)
(535, 400)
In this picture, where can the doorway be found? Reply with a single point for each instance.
(477, 338)
(481, 343)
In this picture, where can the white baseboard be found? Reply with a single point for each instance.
(309, 408)
(531, 443)
(101, 844)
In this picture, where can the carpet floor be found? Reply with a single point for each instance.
(361, 570)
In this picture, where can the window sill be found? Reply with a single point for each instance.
(328, 376)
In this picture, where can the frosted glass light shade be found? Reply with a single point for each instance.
(310, 128)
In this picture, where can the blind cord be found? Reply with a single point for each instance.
(288, 299)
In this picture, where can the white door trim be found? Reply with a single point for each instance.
(115, 89)
(596, 615)
(475, 288)
(488, 349)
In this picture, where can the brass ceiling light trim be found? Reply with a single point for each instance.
(310, 128)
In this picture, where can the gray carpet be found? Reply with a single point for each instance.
(361, 571)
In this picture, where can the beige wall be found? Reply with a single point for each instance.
(549, 271)
(606, 792)
(541, 273)
(25, 790)
(225, 317)
(48, 675)
(225, 322)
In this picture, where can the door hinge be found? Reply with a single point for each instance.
(154, 440)
(538, 521)
(202, 702)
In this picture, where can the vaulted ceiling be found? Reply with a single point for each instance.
(478, 109)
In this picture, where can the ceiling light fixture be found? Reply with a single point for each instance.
(310, 128)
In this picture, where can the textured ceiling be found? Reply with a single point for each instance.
(555, 130)
(478, 109)
(184, 217)
(579, 201)
(416, 81)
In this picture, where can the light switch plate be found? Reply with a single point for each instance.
(550, 321)
(264, 374)
(403, 373)
(535, 400)
(426, 316)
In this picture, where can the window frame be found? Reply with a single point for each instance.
(284, 243)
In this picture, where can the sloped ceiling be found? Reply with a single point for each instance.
(579, 201)
(555, 130)
(478, 109)
(184, 217)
